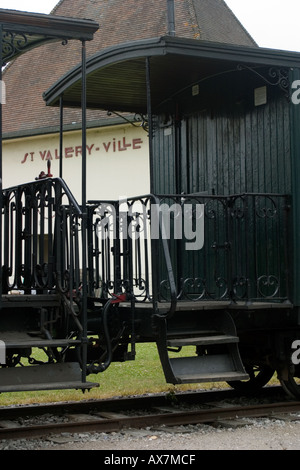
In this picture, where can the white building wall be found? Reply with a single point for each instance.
(117, 161)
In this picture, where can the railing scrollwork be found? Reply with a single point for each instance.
(149, 247)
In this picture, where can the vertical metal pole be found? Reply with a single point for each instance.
(83, 104)
(154, 243)
(61, 132)
(171, 17)
(150, 123)
(1, 154)
(1, 89)
(84, 217)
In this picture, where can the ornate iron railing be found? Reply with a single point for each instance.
(161, 257)
(166, 248)
(41, 238)
(245, 251)
(124, 252)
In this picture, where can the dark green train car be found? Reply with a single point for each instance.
(223, 125)
(208, 262)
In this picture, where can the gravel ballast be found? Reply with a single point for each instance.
(248, 434)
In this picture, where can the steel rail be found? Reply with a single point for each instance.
(103, 421)
(133, 402)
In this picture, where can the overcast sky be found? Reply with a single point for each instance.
(272, 23)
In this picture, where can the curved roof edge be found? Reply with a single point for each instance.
(107, 56)
(163, 46)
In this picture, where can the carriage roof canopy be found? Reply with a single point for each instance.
(22, 31)
(116, 76)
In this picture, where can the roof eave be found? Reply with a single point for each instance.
(50, 25)
(23, 31)
(171, 45)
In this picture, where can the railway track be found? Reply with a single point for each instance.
(140, 412)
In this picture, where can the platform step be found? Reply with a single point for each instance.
(210, 368)
(23, 339)
(216, 355)
(57, 376)
(202, 340)
(29, 300)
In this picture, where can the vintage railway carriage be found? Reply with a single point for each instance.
(206, 266)
(223, 136)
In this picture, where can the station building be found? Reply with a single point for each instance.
(117, 144)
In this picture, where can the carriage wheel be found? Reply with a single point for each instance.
(259, 376)
(292, 384)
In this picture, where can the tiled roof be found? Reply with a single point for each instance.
(120, 20)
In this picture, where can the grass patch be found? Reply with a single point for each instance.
(143, 375)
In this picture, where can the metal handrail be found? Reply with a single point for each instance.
(154, 202)
(34, 215)
(54, 182)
